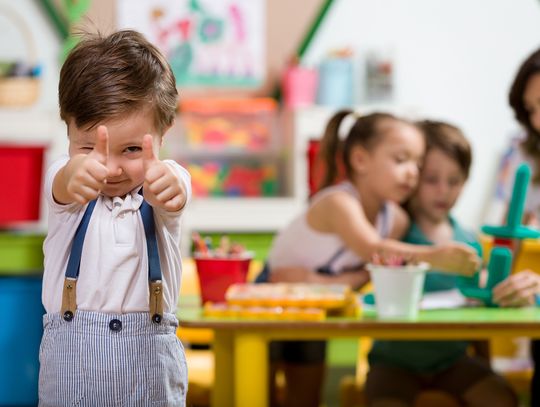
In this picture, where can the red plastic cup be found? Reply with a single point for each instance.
(217, 274)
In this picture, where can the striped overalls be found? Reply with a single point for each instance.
(98, 360)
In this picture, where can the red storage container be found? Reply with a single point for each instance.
(21, 172)
(217, 274)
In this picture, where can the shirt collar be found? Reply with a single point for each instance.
(131, 202)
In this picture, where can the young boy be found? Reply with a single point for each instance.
(399, 370)
(112, 260)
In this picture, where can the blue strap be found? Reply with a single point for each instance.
(74, 262)
(154, 267)
(147, 215)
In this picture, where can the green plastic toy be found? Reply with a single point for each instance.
(513, 228)
(500, 263)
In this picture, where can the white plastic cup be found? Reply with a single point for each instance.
(398, 289)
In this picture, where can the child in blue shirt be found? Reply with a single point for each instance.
(399, 370)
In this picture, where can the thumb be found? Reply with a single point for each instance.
(148, 150)
(101, 148)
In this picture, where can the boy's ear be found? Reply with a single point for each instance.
(359, 159)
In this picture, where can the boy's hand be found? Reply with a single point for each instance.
(518, 290)
(455, 258)
(86, 174)
(162, 188)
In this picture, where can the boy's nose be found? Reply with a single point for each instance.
(114, 168)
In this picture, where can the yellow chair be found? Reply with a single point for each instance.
(528, 256)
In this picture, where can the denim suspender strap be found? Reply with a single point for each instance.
(69, 300)
(154, 267)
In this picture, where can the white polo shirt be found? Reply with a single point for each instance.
(113, 276)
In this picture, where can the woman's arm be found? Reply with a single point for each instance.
(341, 214)
(355, 279)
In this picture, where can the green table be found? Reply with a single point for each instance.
(241, 346)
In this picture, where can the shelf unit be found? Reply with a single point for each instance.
(271, 214)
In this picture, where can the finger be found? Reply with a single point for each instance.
(101, 148)
(89, 195)
(502, 290)
(85, 194)
(156, 174)
(167, 194)
(148, 151)
(159, 185)
(517, 286)
(174, 203)
(472, 264)
(97, 172)
(525, 298)
(505, 287)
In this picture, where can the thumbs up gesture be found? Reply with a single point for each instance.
(162, 187)
(85, 175)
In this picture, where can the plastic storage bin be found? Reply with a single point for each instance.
(21, 170)
(21, 314)
(229, 124)
(336, 83)
(299, 86)
(21, 253)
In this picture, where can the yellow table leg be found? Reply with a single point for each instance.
(222, 393)
(251, 370)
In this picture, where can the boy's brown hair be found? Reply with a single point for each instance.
(450, 140)
(108, 77)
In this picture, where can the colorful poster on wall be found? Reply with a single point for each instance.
(208, 42)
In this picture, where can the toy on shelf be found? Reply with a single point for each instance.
(214, 178)
(228, 124)
(500, 262)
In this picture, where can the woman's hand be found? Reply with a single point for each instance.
(455, 258)
(518, 290)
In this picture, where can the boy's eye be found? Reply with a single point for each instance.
(133, 149)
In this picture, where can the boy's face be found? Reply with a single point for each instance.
(124, 162)
(441, 182)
